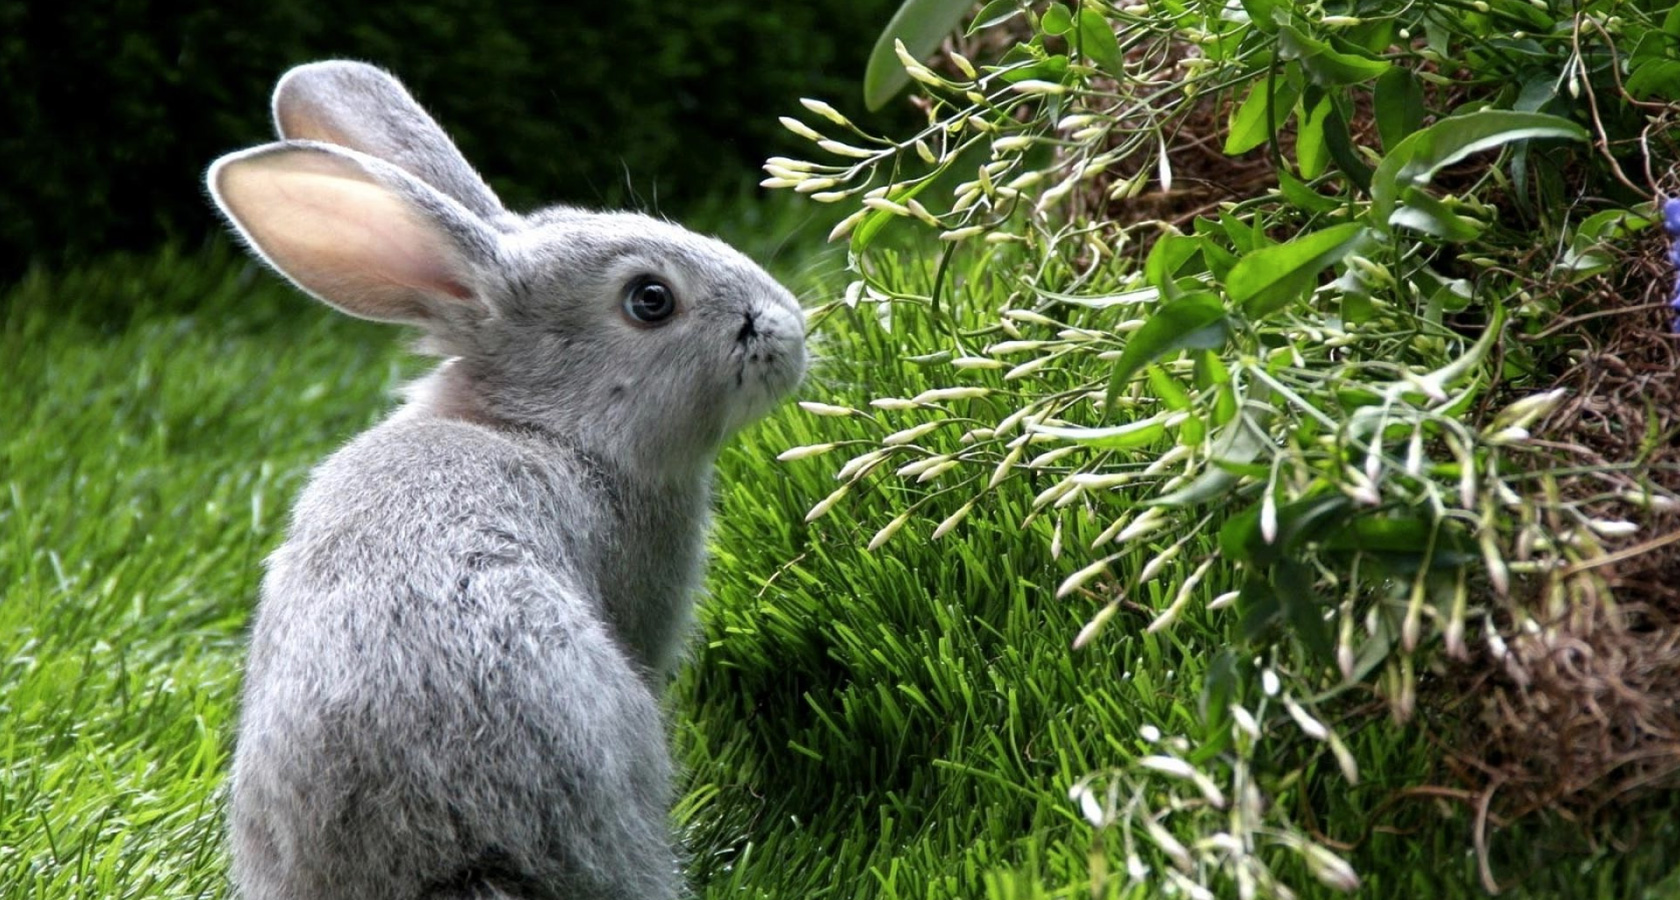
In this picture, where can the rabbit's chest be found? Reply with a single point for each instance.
(649, 573)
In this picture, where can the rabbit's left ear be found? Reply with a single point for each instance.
(367, 109)
(357, 233)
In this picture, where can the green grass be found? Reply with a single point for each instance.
(902, 723)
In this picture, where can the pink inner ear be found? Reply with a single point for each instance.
(297, 126)
(325, 223)
(455, 289)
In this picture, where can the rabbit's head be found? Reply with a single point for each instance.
(627, 335)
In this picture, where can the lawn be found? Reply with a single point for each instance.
(905, 722)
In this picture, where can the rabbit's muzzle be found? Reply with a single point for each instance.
(769, 352)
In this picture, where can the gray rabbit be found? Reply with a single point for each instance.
(455, 664)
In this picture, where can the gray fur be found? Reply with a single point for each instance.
(452, 689)
(356, 106)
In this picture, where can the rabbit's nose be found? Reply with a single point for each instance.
(749, 327)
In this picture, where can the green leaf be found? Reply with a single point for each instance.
(1299, 194)
(1250, 125)
(996, 12)
(1240, 532)
(1373, 652)
(1119, 437)
(1167, 389)
(1217, 259)
(1245, 236)
(880, 218)
(1534, 19)
(1050, 68)
(1655, 78)
(1357, 308)
(1258, 606)
(1219, 685)
(1458, 368)
(1167, 257)
(1325, 65)
(1224, 400)
(1399, 106)
(1298, 523)
(1536, 93)
(1417, 158)
(1303, 609)
(1194, 321)
(1056, 19)
(1191, 431)
(1401, 541)
(1311, 153)
(1586, 254)
(1271, 277)
(1422, 211)
(1338, 138)
(1098, 43)
(1262, 14)
(1438, 34)
(921, 25)
(1210, 371)
(1374, 36)
(1239, 443)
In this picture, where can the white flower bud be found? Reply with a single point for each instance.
(825, 409)
(805, 452)
(1076, 580)
(950, 521)
(1035, 86)
(846, 225)
(895, 404)
(1011, 143)
(827, 503)
(936, 395)
(839, 149)
(910, 434)
(800, 128)
(961, 234)
(887, 531)
(826, 111)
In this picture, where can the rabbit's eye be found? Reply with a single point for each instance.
(649, 301)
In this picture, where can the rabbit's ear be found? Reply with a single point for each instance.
(356, 105)
(357, 233)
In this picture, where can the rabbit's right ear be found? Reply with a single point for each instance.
(358, 233)
(365, 108)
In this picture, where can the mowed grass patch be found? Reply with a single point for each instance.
(147, 456)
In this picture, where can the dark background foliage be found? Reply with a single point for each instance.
(111, 109)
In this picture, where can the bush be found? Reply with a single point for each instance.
(1283, 307)
(113, 110)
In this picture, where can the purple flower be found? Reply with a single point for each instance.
(1671, 224)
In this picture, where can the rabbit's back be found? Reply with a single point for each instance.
(436, 703)
(452, 683)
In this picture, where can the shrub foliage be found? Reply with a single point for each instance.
(1288, 291)
(112, 110)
